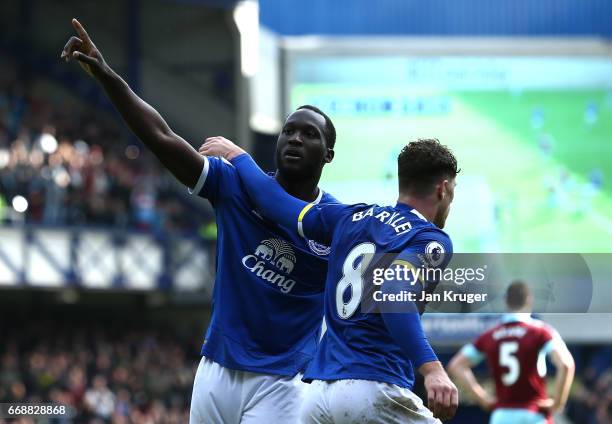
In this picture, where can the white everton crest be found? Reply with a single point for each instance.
(318, 248)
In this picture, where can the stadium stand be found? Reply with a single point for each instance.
(106, 372)
(76, 166)
(591, 399)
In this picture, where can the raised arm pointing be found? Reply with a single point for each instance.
(177, 155)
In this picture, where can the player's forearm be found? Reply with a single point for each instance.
(146, 123)
(563, 383)
(407, 332)
(467, 380)
(403, 320)
(178, 156)
(565, 365)
(270, 198)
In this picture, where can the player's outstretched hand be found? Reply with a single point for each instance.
(84, 51)
(442, 395)
(220, 146)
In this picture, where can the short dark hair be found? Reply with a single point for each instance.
(330, 130)
(422, 163)
(516, 295)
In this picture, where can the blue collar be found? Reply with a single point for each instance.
(409, 208)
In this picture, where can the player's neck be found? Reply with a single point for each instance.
(304, 189)
(424, 207)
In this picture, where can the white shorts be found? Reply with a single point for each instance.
(357, 401)
(225, 396)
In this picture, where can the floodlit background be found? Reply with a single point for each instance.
(106, 263)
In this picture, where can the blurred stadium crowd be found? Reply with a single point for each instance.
(108, 373)
(64, 164)
(117, 373)
(591, 397)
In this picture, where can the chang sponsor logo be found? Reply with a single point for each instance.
(271, 259)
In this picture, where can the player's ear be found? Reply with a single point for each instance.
(329, 155)
(441, 190)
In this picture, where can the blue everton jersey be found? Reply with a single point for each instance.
(268, 295)
(357, 344)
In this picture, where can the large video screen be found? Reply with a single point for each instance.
(533, 137)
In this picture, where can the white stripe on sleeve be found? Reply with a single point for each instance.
(200, 184)
(473, 354)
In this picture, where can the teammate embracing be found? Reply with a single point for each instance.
(363, 368)
(268, 293)
(516, 352)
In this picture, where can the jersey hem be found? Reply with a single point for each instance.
(533, 407)
(368, 377)
(257, 370)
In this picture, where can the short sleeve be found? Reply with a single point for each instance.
(551, 340)
(432, 248)
(471, 352)
(217, 180)
(428, 249)
(318, 221)
(480, 344)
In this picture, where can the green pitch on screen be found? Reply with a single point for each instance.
(536, 165)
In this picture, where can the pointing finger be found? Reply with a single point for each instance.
(81, 31)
